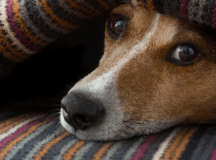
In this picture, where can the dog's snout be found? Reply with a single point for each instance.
(80, 112)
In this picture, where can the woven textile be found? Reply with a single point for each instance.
(35, 136)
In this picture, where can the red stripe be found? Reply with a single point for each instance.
(213, 156)
(13, 24)
(145, 146)
(214, 17)
(183, 9)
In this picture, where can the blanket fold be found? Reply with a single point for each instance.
(27, 26)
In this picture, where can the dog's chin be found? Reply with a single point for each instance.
(111, 131)
(66, 126)
(117, 131)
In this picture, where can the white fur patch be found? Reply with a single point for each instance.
(65, 124)
(103, 89)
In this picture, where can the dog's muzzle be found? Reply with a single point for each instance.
(81, 112)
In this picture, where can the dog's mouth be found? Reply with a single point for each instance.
(81, 112)
(106, 130)
(92, 111)
(115, 130)
(68, 127)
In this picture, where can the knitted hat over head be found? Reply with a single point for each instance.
(27, 26)
(198, 12)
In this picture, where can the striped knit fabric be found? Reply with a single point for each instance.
(201, 12)
(34, 136)
(27, 26)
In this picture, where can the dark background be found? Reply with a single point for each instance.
(42, 80)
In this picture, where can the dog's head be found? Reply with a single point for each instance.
(156, 72)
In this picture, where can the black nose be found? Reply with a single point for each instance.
(80, 112)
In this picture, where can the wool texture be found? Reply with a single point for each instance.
(198, 12)
(27, 26)
(36, 136)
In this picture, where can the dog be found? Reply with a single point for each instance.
(156, 72)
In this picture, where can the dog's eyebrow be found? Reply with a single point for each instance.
(124, 10)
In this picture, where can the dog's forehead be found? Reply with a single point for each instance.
(146, 30)
(147, 35)
(124, 9)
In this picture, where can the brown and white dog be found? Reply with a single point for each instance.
(156, 72)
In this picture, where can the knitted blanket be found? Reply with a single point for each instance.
(35, 136)
(27, 26)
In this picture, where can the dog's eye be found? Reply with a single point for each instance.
(116, 26)
(184, 54)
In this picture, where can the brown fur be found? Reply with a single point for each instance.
(151, 88)
(145, 91)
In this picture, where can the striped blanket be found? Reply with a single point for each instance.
(35, 136)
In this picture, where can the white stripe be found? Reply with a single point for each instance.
(35, 149)
(103, 85)
(11, 34)
(165, 144)
(112, 151)
(133, 149)
(144, 43)
(15, 128)
(21, 144)
(28, 21)
(82, 151)
(64, 149)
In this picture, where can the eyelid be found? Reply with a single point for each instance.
(113, 35)
(182, 63)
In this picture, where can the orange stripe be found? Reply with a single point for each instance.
(9, 55)
(42, 152)
(102, 151)
(175, 143)
(72, 151)
(104, 5)
(183, 144)
(8, 50)
(13, 143)
(11, 120)
(23, 27)
(14, 122)
(150, 4)
(80, 8)
(59, 21)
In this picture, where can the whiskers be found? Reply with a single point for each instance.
(68, 86)
(54, 115)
